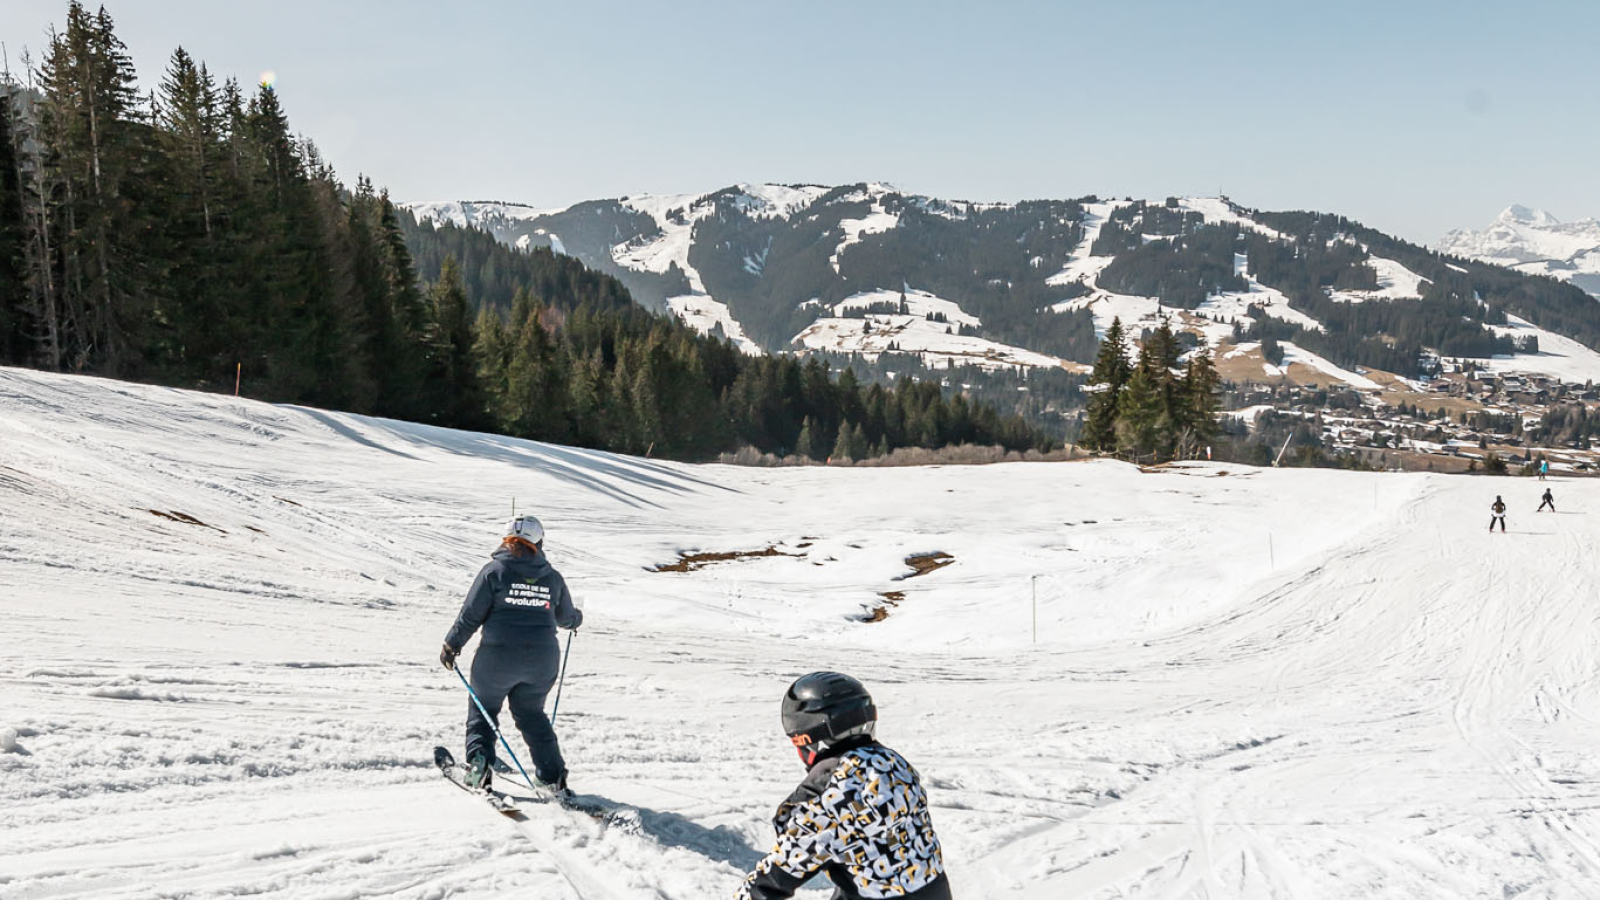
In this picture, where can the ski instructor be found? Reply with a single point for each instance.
(518, 599)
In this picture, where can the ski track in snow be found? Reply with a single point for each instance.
(1229, 697)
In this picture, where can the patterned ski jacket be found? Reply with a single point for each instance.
(860, 815)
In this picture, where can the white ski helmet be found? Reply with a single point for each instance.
(526, 528)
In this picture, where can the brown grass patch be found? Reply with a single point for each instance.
(923, 563)
(690, 562)
(185, 518)
(881, 612)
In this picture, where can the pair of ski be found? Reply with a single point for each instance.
(601, 810)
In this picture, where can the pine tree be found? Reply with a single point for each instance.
(492, 353)
(1200, 390)
(1140, 412)
(1110, 375)
(584, 386)
(189, 133)
(90, 124)
(806, 444)
(16, 325)
(842, 446)
(859, 447)
(646, 405)
(459, 400)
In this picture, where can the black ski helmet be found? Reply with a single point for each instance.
(824, 708)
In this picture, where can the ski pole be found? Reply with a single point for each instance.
(563, 679)
(493, 727)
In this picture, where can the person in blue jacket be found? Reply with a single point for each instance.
(518, 600)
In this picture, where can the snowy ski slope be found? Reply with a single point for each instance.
(1247, 683)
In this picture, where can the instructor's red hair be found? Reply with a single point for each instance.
(518, 546)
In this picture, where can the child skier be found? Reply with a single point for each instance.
(518, 600)
(860, 814)
(1498, 511)
(1549, 501)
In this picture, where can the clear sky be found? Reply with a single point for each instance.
(1413, 117)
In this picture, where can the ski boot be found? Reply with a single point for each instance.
(557, 788)
(479, 774)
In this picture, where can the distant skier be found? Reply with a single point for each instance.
(518, 600)
(1549, 501)
(860, 814)
(1499, 513)
(1544, 468)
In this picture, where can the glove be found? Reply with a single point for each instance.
(447, 657)
(578, 621)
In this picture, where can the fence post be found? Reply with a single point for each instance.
(1036, 609)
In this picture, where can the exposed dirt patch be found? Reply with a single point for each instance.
(185, 518)
(881, 612)
(923, 563)
(285, 500)
(689, 562)
(1177, 467)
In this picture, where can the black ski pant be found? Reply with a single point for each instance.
(1548, 503)
(1500, 519)
(523, 675)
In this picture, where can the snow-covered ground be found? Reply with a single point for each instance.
(1082, 265)
(918, 303)
(704, 314)
(1215, 317)
(1234, 306)
(467, 213)
(777, 200)
(1218, 211)
(914, 332)
(1395, 282)
(1559, 357)
(674, 215)
(1228, 697)
(1295, 355)
(877, 221)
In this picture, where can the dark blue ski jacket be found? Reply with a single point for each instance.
(518, 601)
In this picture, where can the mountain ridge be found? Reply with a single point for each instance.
(833, 269)
(1533, 241)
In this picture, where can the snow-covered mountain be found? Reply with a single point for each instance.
(1534, 241)
(868, 269)
(1284, 683)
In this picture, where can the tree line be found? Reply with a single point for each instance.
(186, 236)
